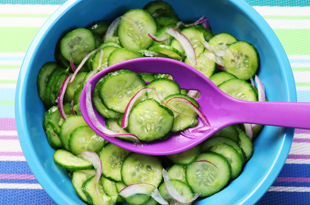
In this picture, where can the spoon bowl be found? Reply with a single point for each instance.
(220, 109)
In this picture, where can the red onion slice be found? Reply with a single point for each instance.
(206, 25)
(61, 95)
(72, 65)
(218, 60)
(94, 72)
(132, 103)
(216, 51)
(93, 158)
(193, 93)
(93, 118)
(112, 29)
(199, 21)
(186, 44)
(143, 188)
(248, 128)
(82, 63)
(157, 39)
(174, 193)
(260, 89)
(205, 161)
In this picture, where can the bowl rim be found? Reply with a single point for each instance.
(51, 188)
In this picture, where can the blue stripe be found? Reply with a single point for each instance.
(292, 184)
(7, 111)
(19, 181)
(14, 167)
(279, 3)
(11, 58)
(303, 95)
(25, 196)
(285, 198)
(295, 170)
(299, 61)
(7, 94)
(52, 2)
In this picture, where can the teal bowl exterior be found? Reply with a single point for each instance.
(271, 148)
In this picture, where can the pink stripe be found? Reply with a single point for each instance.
(17, 176)
(8, 137)
(298, 156)
(292, 179)
(7, 124)
(300, 140)
(11, 154)
(302, 131)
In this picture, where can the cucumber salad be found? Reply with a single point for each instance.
(143, 107)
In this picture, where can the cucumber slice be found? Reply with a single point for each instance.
(186, 157)
(43, 77)
(69, 161)
(229, 132)
(245, 144)
(221, 77)
(184, 116)
(135, 199)
(107, 50)
(239, 89)
(99, 27)
(167, 51)
(94, 193)
(77, 82)
(222, 40)
(154, 6)
(164, 87)
(243, 62)
(208, 178)
(232, 156)
(76, 44)
(117, 89)
(147, 76)
(122, 54)
(85, 139)
(69, 125)
(52, 137)
(113, 125)
(134, 28)
(50, 85)
(76, 99)
(177, 172)
(78, 178)
(149, 120)
(112, 158)
(109, 187)
(138, 168)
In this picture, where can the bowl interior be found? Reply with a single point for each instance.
(232, 16)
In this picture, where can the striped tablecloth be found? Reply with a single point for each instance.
(21, 19)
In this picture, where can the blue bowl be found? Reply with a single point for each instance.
(233, 16)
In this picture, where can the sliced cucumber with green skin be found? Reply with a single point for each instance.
(53, 137)
(50, 85)
(162, 34)
(43, 77)
(186, 157)
(111, 43)
(101, 108)
(222, 40)
(229, 132)
(138, 168)
(109, 187)
(69, 161)
(76, 44)
(221, 77)
(136, 199)
(117, 89)
(76, 99)
(177, 172)
(112, 158)
(60, 59)
(208, 177)
(70, 124)
(207, 33)
(164, 88)
(94, 193)
(85, 139)
(239, 89)
(57, 87)
(149, 120)
(204, 65)
(184, 116)
(53, 116)
(221, 140)
(167, 51)
(113, 125)
(182, 188)
(99, 27)
(163, 21)
(242, 60)
(232, 156)
(153, 6)
(106, 51)
(122, 54)
(75, 84)
(147, 76)
(134, 28)
(245, 144)
(78, 178)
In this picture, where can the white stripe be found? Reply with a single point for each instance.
(21, 22)
(10, 85)
(19, 55)
(303, 88)
(302, 76)
(12, 158)
(282, 11)
(288, 24)
(300, 65)
(8, 133)
(9, 62)
(299, 57)
(27, 9)
(297, 161)
(10, 146)
(19, 186)
(302, 136)
(300, 148)
(289, 189)
(9, 74)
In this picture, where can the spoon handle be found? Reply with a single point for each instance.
(283, 114)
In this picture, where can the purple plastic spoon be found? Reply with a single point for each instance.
(220, 109)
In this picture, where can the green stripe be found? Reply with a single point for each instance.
(301, 69)
(8, 81)
(16, 39)
(279, 2)
(6, 102)
(26, 15)
(304, 84)
(10, 66)
(294, 41)
(287, 17)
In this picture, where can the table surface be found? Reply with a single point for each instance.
(21, 19)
